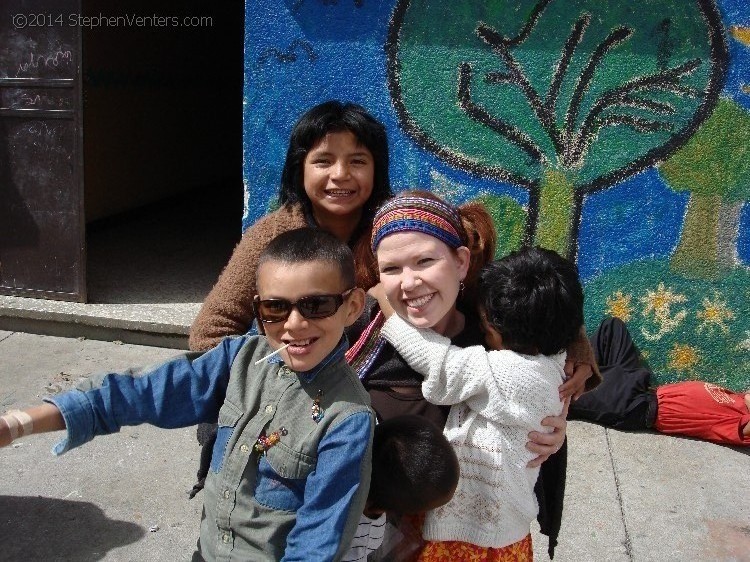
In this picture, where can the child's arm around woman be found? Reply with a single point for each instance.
(497, 397)
(503, 386)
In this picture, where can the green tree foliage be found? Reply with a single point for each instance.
(509, 218)
(714, 166)
(561, 97)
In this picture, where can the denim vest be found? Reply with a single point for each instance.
(251, 499)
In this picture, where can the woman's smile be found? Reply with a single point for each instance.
(418, 302)
(421, 276)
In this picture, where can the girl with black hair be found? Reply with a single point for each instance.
(335, 176)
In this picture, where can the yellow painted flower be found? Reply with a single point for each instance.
(713, 315)
(683, 358)
(660, 301)
(744, 345)
(618, 305)
(741, 33)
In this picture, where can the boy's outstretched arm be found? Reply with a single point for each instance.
(41, 419)
(182, 391)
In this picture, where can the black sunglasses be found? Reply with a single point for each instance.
(310, 307)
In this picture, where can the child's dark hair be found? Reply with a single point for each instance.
(311, 244)
(414, 468)
(333, 117)
(534, 298)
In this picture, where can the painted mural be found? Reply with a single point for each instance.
(614, 132)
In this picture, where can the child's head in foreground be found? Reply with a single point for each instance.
(531, 302)
(414, 468)
(306, 295)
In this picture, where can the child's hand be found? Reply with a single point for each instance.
(378, 293)
(578, 374)
(547, 444)
(38, 419)
(5, 438)
(14, 424)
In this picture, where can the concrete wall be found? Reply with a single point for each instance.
(617, 133)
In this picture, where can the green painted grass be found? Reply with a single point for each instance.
(685, 328)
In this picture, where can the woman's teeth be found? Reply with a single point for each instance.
(339, 192)
(419, 301)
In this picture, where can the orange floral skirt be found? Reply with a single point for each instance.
(455, 551)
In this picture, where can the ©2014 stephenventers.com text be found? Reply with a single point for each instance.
(42, 19)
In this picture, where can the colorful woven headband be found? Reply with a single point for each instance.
(417, 214)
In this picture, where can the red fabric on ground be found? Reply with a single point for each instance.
(703, 410)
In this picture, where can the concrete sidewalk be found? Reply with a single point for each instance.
(630, 496)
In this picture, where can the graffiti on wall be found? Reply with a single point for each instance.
(615, 133)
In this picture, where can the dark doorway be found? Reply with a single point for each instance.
(163, 150)
(41, 206)
(147, 141)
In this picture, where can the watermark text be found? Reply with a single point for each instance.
(48, 19)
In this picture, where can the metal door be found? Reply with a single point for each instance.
(42, 222)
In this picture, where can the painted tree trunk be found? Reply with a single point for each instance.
(728, 232)
(697, 254)
(555, 213)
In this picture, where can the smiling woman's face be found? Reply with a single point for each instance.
(421, 277)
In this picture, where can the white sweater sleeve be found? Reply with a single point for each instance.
(499, 385)
(452, 374)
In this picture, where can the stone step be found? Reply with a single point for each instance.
(156, 324)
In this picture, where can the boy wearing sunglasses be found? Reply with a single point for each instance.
(290, 470)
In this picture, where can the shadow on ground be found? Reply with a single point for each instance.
(36, 528)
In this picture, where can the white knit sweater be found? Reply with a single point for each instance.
(497, 398)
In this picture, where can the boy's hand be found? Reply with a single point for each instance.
(578, 374)
(378, 293)
(37, 419)
(5, 438)
(547, 444)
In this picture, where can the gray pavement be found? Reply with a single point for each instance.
(630, 496)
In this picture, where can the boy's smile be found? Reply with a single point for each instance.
(310, 339)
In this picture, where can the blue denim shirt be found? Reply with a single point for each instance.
(302, 499)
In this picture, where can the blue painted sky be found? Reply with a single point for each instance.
(296, 56)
